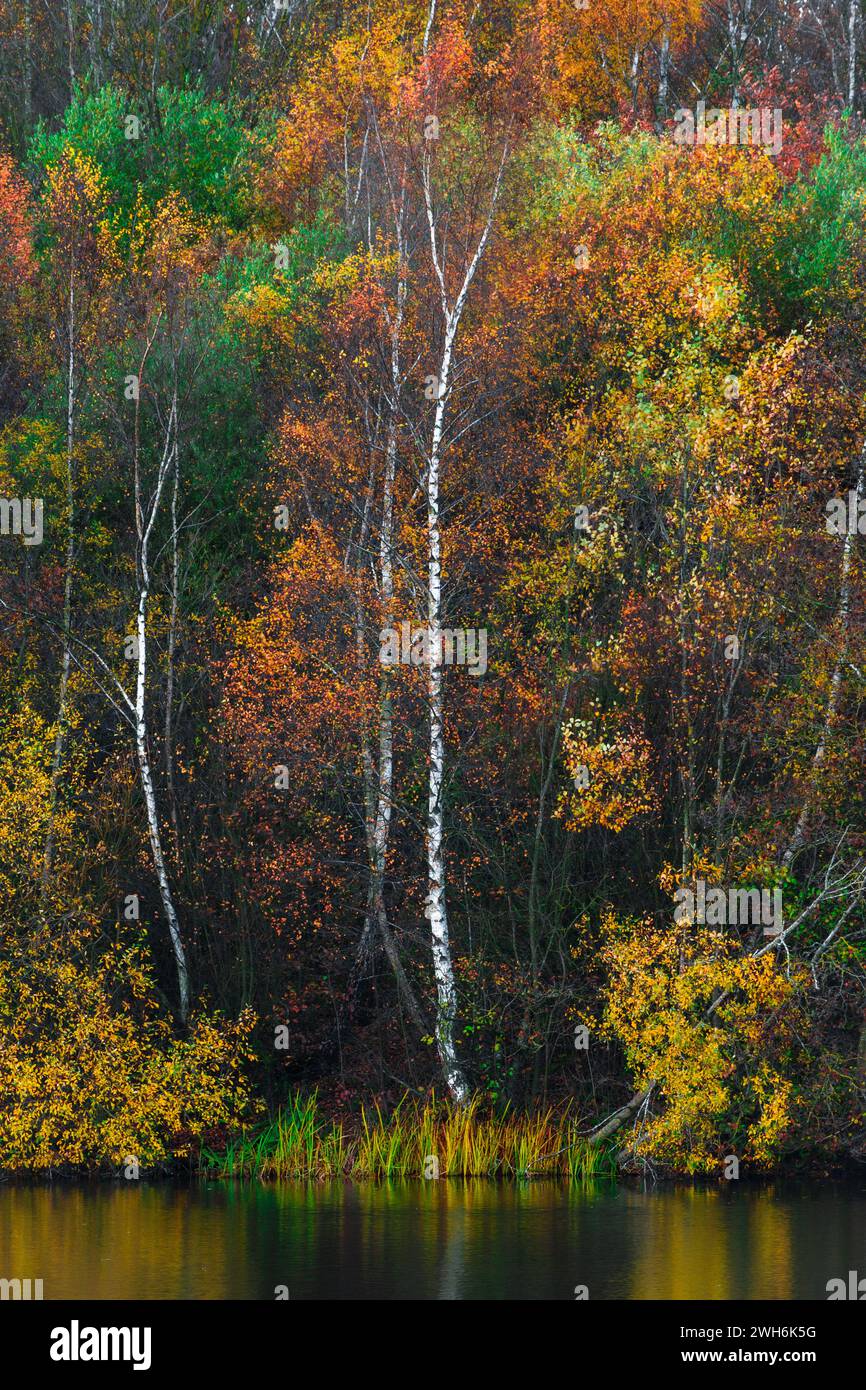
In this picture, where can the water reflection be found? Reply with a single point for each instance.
(436, 1240)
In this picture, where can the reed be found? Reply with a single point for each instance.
(429, 1139)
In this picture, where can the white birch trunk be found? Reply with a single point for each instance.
(385, 790)
(28, 67)
(70, 43)
(147, 788)
(140, 712)
(379, 780)
(436, 910)
(842, 617)
(634, 77)
(382, 826)
(172, 647)
(664, 69)
(443, 969)
(853, 22)
(735, 29)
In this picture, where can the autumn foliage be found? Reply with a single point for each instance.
(424, 320)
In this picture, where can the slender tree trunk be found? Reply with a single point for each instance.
(428, 28)
(723, 793)
(619, 1117)
(366, 946)
(853, 23)
(385, 783)
(144, 530)
(94, 39)
(172, 647)
(382, 824)
(62, 704)
(28, 67)
(842, 617)
(443, 969)
(70, 43)
(147, 788)
(736, 36)
(377, 803)
(435, 910)
(687, 774)
(664, 70)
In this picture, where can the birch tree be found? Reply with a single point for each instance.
(452, 308)
(173, 261)
(382, 781)
(74, 202)
(147, 511)
(853, 25)
(798, 838)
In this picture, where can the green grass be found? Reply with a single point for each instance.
(416, 1140)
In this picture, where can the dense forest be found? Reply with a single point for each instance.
(432, 655)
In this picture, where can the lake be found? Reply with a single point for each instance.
(437, 1240)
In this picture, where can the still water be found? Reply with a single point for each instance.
(437, 1240)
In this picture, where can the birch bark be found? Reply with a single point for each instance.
(842, 615)
(664, 70)
(144, 528)
(436, 909)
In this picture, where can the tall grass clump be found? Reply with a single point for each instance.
(417, 1139)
